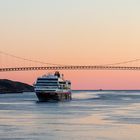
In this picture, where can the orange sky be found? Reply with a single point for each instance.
(78, 32)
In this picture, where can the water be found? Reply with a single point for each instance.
(91, 115)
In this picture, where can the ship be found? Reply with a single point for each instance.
(53, 87)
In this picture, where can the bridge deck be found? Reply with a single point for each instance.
(70, 68)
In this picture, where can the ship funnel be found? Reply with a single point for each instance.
(57, 74)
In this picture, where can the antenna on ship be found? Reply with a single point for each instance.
(63, 76)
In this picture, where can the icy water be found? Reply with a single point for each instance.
(91, 115)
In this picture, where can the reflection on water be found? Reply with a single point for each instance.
(98, 115)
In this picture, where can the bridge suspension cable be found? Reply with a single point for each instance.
(29, 60)
(40, 62)
(123, 62)
(67, 67)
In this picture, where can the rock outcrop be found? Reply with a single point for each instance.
(8, 86)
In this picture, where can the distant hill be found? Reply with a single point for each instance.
(8, 86)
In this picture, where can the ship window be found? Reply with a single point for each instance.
(47, 85)
(52, 82)
(62, 82)
(48, 79)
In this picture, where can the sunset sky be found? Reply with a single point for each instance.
(73, 32)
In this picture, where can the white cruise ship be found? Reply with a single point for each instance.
(52, 87)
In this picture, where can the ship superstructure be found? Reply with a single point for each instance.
(53, 87)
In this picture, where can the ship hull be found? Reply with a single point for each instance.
(53, 96)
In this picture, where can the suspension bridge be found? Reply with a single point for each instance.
(51, 66)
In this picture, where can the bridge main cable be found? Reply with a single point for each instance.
(69, 68)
